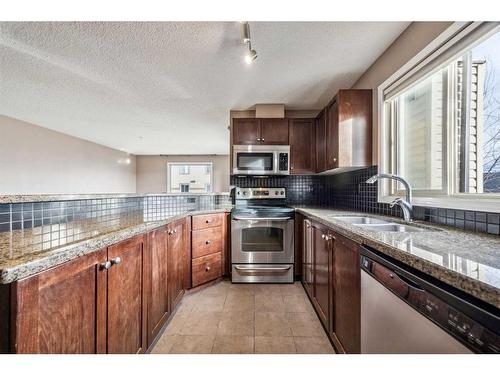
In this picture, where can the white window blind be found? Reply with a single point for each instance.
(469, 34)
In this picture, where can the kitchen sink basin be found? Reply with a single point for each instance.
(360, 220)
(377, 225)
(390, 227)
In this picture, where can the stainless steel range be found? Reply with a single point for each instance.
(262, 231)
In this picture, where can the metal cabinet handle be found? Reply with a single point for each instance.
(175, 230)
(116, 261)
(323, 236)
(258, 139)
(207, 242)
(106, 265)
(334, 159)
(208, 221)
(262, 139)
(207, 269)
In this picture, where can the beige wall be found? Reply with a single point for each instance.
(152, 171)
(35, 160)
(411, 41)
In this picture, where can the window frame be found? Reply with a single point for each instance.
(191, 163)
(449, 196)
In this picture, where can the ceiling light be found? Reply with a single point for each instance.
(245, 32)
(250, 56)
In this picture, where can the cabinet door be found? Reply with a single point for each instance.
(176, 262)
(126, 308)
(346, 322)
(274, 131)
(321, 141)
(158, 309)
(332, 136)
(302, 146)
(322, 272)
(307, 256)
(246, 131)
(62, 310)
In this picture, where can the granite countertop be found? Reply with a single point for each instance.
(29, 251)
(465, 260)
(27, 198)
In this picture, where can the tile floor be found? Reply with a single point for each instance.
(245, 318)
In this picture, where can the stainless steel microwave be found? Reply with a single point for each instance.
(261, 160)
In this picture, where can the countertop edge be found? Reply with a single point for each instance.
(476, 288)
(75, 250)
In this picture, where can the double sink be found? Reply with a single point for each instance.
(377, 225)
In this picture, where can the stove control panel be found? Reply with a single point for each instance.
(260, 193)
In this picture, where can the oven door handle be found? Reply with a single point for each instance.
(268, 269)
(262, 218)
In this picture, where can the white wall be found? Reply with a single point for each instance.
(35, 160)
(152, 171)
(411, 41)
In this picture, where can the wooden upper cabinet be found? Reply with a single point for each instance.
(157, 272)
(256, 131)
(62, 310)
(176, 257)
(274, 131)
(302, 146)
(346, 316)
(348, 131)
(246, 131)
(332, 136)
(126, 306)
(321, 141)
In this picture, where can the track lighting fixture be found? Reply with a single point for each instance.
(251, 55)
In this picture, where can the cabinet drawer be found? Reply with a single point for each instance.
(206, 268)
(207, 221)
(206, 241)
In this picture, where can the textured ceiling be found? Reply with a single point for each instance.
(167, 87)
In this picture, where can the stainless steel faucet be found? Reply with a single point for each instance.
(405, 204)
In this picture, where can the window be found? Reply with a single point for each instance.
(189, 177)
(441, 125)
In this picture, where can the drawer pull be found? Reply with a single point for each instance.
(207, 242)
(208, 221)
(207, 268)
(116, 260)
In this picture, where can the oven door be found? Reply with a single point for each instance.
(254, 162)
(262, 240)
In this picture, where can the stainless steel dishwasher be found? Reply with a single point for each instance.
(406, 311)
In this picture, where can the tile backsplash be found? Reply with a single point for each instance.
(14, 216)
(349, 191)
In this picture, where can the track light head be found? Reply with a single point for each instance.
(245, 33)
(251, 56)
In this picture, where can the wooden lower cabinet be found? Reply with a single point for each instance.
(126, 313)
(62, 310)
(176, 255)
(115, 300)
(322, 263)
(209, 255)
(346, 310)
(157, 272)
(331, 277)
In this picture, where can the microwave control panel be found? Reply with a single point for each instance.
(283, 161)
